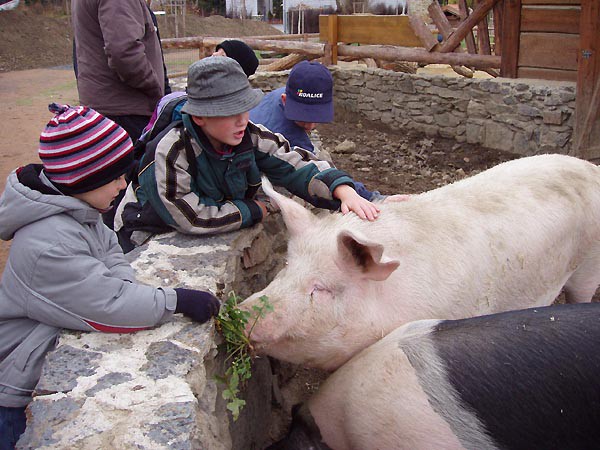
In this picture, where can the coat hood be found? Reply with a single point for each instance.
(26, 199)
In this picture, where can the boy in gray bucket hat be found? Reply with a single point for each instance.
(201, 174)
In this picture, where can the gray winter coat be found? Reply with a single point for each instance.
(65, 270)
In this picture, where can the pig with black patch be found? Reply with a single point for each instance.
(527, 379)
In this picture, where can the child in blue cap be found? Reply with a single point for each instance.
(296, 109)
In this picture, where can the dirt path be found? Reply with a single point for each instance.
(24, 111)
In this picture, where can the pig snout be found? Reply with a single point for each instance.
(261, 329)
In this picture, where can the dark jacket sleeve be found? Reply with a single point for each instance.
(123, 27)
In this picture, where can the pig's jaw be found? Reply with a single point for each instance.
(290, 350)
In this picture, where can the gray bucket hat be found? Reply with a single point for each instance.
(218, 87)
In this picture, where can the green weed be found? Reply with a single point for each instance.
(231, 323)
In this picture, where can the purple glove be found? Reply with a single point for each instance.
(199, 306)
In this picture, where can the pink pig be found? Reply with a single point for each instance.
(508, 238)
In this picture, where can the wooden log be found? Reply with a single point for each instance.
(287, 62)
(511, 30)
(305, 48)
(463, 10)
(398, 66)
(466, 26)
(317, 50)
(370, 62)
(441, 21)
(498, 24)
(419, 55)
(285, 37)
(266, 61)
(423, 32)
(483, 36)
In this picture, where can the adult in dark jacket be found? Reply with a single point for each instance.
(120, 70)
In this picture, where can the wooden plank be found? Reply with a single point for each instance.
(587, 112)
(547, 74)
(368, 29)
(467, 25)
(551, 2)
(511, 27)
(549, 50)
(551, 20)
(332, 39)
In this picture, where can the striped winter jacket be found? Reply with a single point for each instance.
(213, 193)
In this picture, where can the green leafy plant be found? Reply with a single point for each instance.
(232, 323)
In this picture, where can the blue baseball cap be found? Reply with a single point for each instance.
(309, 93)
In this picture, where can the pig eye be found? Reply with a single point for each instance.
(316, 289)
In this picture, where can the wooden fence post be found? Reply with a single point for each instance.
(331, 50)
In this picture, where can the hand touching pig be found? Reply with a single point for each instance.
(351, 201)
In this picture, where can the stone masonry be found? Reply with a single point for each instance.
(155, 389)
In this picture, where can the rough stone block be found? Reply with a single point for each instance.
(498, 136)
(552, 117)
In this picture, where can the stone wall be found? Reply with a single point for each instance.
(155, 389)
(525, 117)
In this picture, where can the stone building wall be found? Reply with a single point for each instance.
(525, 117)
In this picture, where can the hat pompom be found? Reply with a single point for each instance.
(55, 108)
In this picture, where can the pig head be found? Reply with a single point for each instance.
(508, 238)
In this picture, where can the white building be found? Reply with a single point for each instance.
(248, 8)
(261, 8)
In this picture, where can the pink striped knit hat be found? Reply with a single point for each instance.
(82, 150)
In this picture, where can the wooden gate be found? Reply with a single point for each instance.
(586, 142)
(558, 40)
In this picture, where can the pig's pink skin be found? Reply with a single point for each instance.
(508, 238)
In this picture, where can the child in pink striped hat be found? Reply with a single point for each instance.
(66, 268)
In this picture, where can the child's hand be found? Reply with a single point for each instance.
(351, 201)
(200, 306)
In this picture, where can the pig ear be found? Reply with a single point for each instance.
(358, 252)
(296, 217)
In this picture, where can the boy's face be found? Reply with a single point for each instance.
(306, 126)
(102, 197)
(223, 130)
